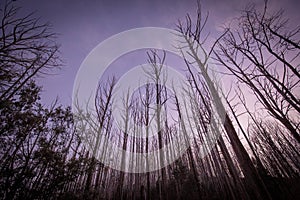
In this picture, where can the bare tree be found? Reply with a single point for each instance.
(263, 54)
(158, 75)
(27, 48)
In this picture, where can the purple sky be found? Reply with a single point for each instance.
(84, 24)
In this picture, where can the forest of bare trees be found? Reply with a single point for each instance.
(48, 152)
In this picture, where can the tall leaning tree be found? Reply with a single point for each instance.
(193, 41)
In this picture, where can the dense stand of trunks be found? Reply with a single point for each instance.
(44, 156)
